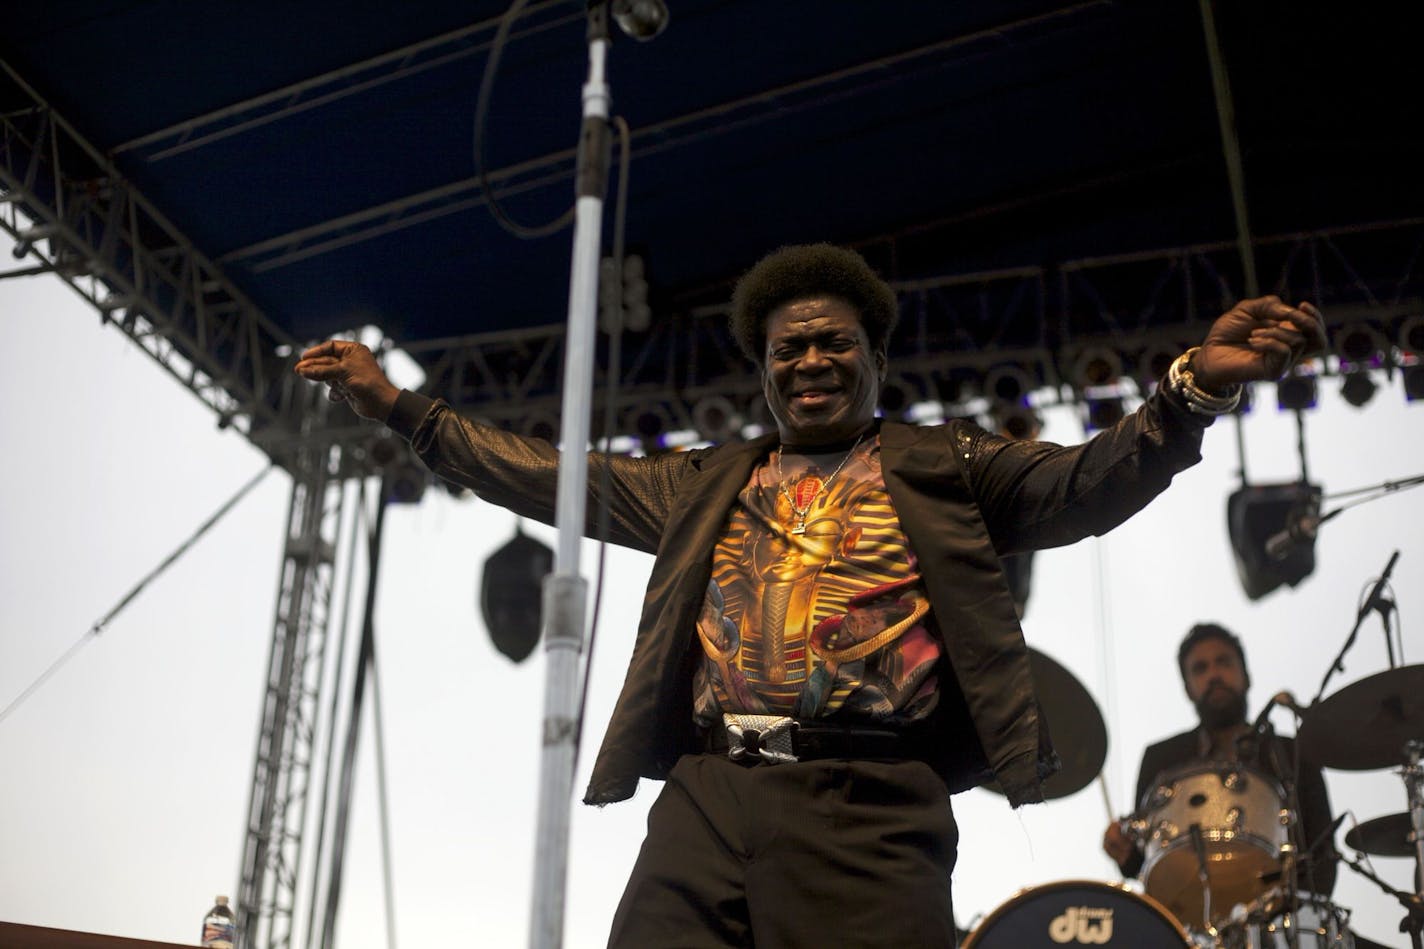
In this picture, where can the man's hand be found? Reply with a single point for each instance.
(1117, 844)
(354, 376)
(1257, 341)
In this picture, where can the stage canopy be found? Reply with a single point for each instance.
(1041, 181)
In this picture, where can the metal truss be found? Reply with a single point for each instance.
(957, 330)
(286, 744)
(69, 208)
(1369, 274)
(955, 325)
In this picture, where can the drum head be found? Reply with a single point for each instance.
(1078, 913)
(1235, 810)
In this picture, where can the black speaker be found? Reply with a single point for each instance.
(1264, 523)
(511, 594)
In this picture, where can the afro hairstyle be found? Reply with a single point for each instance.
(805, 270)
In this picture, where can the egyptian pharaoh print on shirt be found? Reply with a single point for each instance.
(830, 621)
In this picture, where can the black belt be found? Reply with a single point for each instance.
(817, 741)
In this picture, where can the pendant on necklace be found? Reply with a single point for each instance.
(800, 527)
(805, 494)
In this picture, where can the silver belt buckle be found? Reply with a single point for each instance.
(769, 737)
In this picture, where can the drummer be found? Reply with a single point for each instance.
(1213, 668)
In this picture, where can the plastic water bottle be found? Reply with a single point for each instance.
(219, 929)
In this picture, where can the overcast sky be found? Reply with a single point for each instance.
(127, 775)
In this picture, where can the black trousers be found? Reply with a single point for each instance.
(818, 853)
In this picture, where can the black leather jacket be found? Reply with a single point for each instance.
(964, 497)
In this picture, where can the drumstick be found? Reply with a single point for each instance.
(1107, 801)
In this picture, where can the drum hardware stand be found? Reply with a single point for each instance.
(1413, 922)
(1261, 744)
(1290, 850)
(1375, 601)
(1199, 845)
(1413, 776)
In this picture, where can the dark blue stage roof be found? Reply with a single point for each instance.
(335, 183)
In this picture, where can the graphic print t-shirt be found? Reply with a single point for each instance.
(820, 616)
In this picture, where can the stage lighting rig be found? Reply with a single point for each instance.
(1358, 388)
(1297, 392)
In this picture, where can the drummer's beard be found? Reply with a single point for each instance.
(1218, 710)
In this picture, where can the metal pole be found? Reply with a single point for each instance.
(1230, 147)
(1414, 784)
(565, 591)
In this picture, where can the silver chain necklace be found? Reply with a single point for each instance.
(801, 513)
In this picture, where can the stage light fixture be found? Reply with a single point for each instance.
(1413, 382)
(1358, 388)
(640, 19)
(403, 478)
(625, 287)
(637, 314)
(512, 595)
(1153, 363)
(1260, 520)
(406, 481)
(1017, 421)
(1104, 413)
(1359, 343)
(1096, 366)
(541, 425)
(897, 395)
(1410, 337)
(384, 451)
(950, 389)
(716, 418)
(648, 422)
(1297, 392)
(1007, 383)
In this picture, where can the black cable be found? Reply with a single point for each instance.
(524, 232)
(364, 662)
(128, 598)
(610, 412)
(383, 803)
(358, 521)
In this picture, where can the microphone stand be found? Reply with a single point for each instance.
(565, 591)
(1413, 922)
(1372, 602)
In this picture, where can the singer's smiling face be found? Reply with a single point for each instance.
(821, 376)
(1215, 677)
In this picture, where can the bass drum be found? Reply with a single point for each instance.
(1079, 913)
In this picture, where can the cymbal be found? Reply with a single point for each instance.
(1386, 836)
(1366, 724)
(1079, 735)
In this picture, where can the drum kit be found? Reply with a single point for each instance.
(1222, 854)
